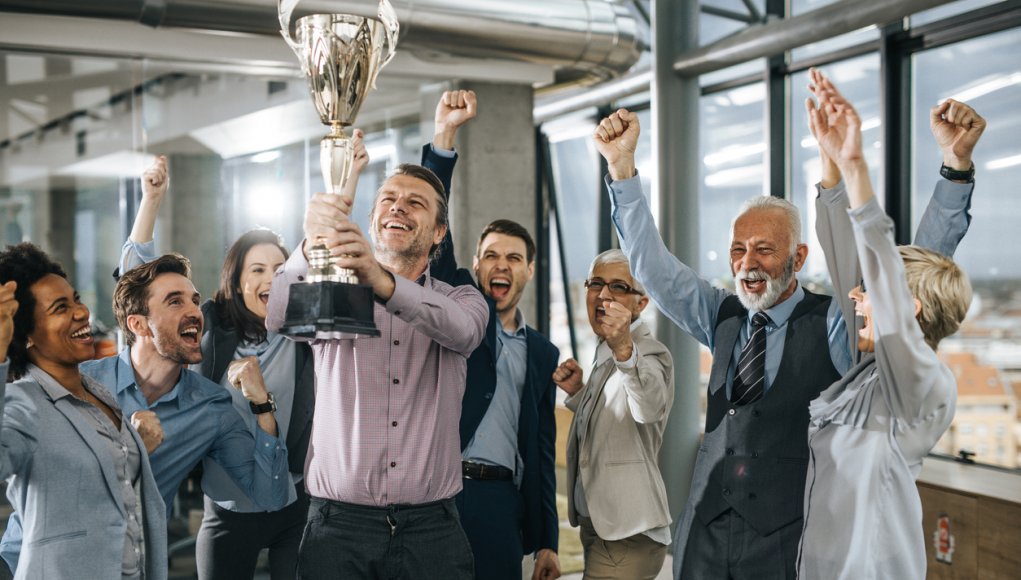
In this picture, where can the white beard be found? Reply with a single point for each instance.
(774, 287)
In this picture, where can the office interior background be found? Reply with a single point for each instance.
(92, 90)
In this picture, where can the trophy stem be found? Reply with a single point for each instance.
(335, 159)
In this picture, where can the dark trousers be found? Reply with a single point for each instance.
(399, 542)
(229, 543)
(491, 513)
(729, 549)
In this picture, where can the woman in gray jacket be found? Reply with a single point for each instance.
(79, 473)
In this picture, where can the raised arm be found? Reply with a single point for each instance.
(679, 293)
(257, 464)
(956, 127)
(139, 248)
(17, 424)
(454, 109)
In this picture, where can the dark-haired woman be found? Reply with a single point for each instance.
(78, 472)
(234, 529)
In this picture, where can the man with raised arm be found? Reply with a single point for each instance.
(384, 462)
(508, 429)
(776, 346)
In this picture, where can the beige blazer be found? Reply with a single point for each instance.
(619, 458)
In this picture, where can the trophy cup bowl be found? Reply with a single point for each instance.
(340, 56)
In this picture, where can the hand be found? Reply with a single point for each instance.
(835, 124)
(155, 180)
(350, 248)
(359, 161)
(149, 429)
(8, 306)
(547, 565)
(454, 110)
(568, 376)
(322, 215)
(829, 172)
(616, 139)
(957, 128)
(616, 329)
(244, 374)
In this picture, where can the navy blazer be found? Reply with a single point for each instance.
(218, 346)
(540, 526)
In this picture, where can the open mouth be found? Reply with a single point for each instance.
(190, 335)
(264, 297)
(83, 335)
(499, 288)
(397, 226)
(753, 286)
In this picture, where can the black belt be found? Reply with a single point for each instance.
(472, 470)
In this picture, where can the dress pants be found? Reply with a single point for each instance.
(228, 543)
(635, 558)
(399, 542)
(730, 549)
(491, 513)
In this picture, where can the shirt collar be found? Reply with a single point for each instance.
(53, 389)
(126, 377)
(519, 318)
(780, 313)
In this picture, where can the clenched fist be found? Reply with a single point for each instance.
(616, 139)
(569, 376)
(244, 374)
(8, 306)
(149, 429)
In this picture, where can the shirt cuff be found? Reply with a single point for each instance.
(441, 152)
(833, 195)
(404, 298)
(953, 195)
(631, 362)
(268, 445)
(625, 190)
(866, 214)
(296, 267)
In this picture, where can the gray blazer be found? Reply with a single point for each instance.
(619, 458)
(62, 482)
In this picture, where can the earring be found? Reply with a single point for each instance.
(29, 344)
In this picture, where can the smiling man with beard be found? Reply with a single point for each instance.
(182, 416)
(775, 346)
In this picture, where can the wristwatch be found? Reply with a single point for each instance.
(957, 175)
(268, 407)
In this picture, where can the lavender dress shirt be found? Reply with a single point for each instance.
(385, 429)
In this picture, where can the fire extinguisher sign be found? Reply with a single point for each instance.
(943, 540)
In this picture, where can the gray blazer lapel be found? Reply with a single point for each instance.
(96, 444)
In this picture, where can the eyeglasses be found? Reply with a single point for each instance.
(596, 285)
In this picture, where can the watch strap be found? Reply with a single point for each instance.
(268, 407)
(957, 175)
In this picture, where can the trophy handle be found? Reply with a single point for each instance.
(392, 29)
(285, 8)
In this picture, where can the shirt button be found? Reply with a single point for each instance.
(397, 312)
(397, 381)
(397, 343)
(301, 278)
(394, 423)
(393, 464)
(731, 412)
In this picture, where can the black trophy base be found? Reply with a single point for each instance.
(328, 309)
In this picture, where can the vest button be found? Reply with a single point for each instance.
(730, 451)
(731, 412)
(726, 491)
(755, 454)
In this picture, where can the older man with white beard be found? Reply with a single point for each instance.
(775, 345)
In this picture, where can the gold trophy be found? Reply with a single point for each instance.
(340, 56)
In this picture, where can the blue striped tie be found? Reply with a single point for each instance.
(749, 381)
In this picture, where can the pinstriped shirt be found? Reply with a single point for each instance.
(385, 429)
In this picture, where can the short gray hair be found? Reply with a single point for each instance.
(770, 202)
(615, 257)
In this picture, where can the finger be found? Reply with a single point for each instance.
(936, 113)
(601, 134)
(616, 124)
(471, 102)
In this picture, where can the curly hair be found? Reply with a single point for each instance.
(26, 264)
(230, 303)
(131, 295)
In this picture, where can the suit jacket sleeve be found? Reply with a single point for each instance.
(444, 266)
(550, 523)
(17, 430)
(648, 384)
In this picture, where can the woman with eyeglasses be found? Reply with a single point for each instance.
(78, 472)
(870, 430)
(615, 490)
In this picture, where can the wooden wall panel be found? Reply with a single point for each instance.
(999, 554)
(964, 526)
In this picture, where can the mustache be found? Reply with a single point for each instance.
(753, 275)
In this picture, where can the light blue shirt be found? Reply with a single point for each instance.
(199, 421)
(496, 439)
(691, 302)
(276, 357)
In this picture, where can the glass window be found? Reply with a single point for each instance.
(713, 27)
(987, 75)
(733, 152)
(860, 36)
(949, 9)
(858, 80)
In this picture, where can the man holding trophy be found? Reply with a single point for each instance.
(384, 461)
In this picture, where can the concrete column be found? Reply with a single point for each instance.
(675, 142)
(59, 228)
(495, 175)
(192, 221)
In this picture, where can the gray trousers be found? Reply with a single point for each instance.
(729, 549)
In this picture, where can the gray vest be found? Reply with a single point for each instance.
(754, 457)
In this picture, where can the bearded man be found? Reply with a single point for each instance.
(775, 346)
